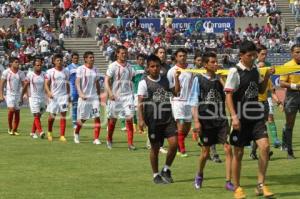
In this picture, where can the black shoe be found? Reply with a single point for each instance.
(291, 156)
(216, 159)
(253, 156)
(270, 154)
(158, 180)
(166, 175)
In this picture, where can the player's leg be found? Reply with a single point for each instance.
(33, 130)
(202, 161)
(273, 131)
(228, 162)
(110, 130)
(288, 132)
(238, 153)
(38, 125)
(128, 105)
(74, 111)
(16, 121)
(79, 125)
(51, 119)
(154, 152)
(10, 117)
(62, 126)
(264, 147)
(97, 126)
(253, 153)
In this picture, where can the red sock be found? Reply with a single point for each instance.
(17, 120)
(97, 128)
(78, 127)
(62, 126)
(181, 145)
(129, 127)
(37, 123)
(10, 119)
(50, 124)
(110, 131)
(33, 127)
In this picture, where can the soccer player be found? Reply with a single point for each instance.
(58, 92)
(35, 80)
(88, 87)
(74, 94)
(154, 110)
(161, 53)
(14, 80)
(180, 107)
(292, 101)
(118, 84)
(208, 109)
(242, 87)
(198, 62)
(267, 99)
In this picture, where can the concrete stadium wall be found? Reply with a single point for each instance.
(9, 21)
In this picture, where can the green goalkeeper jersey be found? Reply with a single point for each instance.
(139, 72)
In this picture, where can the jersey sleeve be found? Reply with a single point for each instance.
(48, 75)
(78, 73)
(22, 76)
(28, 76)
(195, 93)
(67, 73)
(170, 76)
(232, 81)
(111, 71)
(142, 89)
(4, 75)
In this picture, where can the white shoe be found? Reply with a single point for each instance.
(162, 150)
(34, 136)
(76, 138)
(123, 129)
(96, 141)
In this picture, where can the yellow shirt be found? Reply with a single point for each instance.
(264, 97)
(292, 78)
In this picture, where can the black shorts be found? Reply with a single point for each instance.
(213, 136)
(249, 131)
(292, 102)
(157, 133)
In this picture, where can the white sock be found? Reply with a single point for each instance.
(155, 174)
(166, 167)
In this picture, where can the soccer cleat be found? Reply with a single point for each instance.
(109, 145)
(76, 138)
(183, 155)
(34, 136)
(166, 176)
(216, 159)
(62, 139)
(198, 182)
(163, 150)
(96, 142)
(131, 147)
(158, 180)
(123, 129)
(283, 147)
(16, 133)
(291, 156)
(42, 135)
(10, 132)
(229, 186)
(262, 190)
(239, 193)
(253, 156)
(270, 154)
(50, 138)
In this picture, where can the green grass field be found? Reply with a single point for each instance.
(37, 169)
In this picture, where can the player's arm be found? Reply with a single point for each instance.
(234, 117)
(194, 102)
(98, 88)
(68, 90)
(2, 83)
(25, 88)
(107, 85)
(140, 112)
(176, 90)
(263, 85)
(47, 88)
(285, 84)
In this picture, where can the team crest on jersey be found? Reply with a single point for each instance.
(235, 138)
(152, 136)
(160, 95)
(205, 139)
(252, 91)
(213, 96)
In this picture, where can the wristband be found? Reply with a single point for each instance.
(294, 86)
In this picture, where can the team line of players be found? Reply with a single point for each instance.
(152, 94)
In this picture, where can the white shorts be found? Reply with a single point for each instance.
(271, 106)
(181, 110)
(37, 105)
(88, 109)
(120, 108)
(136, 100)
(13, 102)
(58, 105)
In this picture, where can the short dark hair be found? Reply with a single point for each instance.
(247, 46)
(87, 53)
(180, 50)
(207, 55)
(120, 48)
(295, 46)
(36, 59)
(260, 48)
(197, 55)
(153, 58)
(74, 54)
(57, 56)
(140, 55)
(157, 49)
(12, 59)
